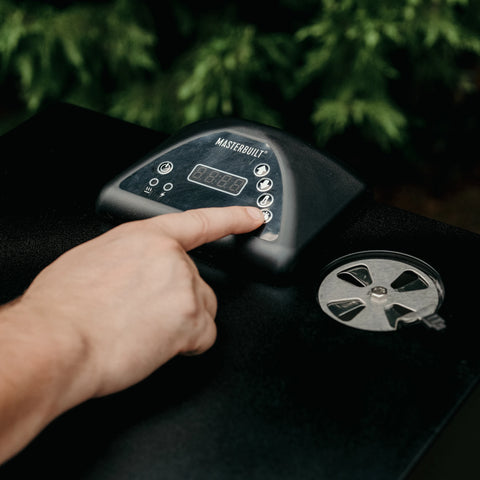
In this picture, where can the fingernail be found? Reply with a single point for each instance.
(255, 213)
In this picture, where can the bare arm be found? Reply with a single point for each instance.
(105, 315)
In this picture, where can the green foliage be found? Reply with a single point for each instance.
(350, 51)
(344, 65)
(76, 54)
(222, 74)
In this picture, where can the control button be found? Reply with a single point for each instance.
(261, 169)
(264, 185)
(265, 200)
(164, 168)
(168, 186)
(267, 215)
(154, 182)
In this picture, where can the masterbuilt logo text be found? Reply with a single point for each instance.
(240, 147)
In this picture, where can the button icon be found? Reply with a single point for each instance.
(261, 169)
(154, 182)
(267, 215)
(148, 190)
(168, 186)
(164, 168)
(264, 185)
(265, 200)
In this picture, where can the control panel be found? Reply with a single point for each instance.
(227, 162)
(217, 169)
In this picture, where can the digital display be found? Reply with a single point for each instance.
(217, 179)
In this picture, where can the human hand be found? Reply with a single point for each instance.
(133, 296)
(106, 314)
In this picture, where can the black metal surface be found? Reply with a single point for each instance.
(286, 392)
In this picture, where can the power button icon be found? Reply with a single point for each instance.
(164, 168)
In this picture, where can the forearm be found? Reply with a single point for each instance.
(42, 374)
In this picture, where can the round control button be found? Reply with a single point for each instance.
(264, 185)
(265, 200)
(267, 215)
(164, 168)
(154, 182)
(261, 169)
(168, 186)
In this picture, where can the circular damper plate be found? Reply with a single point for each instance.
(378, 290)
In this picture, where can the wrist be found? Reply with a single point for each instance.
(48, 371)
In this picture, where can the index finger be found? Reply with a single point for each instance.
(193, 228)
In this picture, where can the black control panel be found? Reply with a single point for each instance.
(227, 162)
(217, 169)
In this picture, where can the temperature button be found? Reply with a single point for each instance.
(265, 200)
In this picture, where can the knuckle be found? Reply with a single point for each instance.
(191, 308)
(193, 298)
